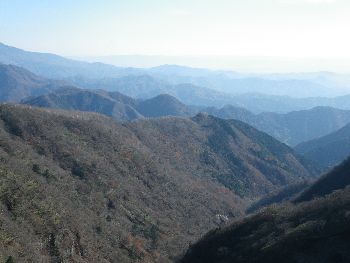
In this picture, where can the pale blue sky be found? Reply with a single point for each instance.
(280, 28)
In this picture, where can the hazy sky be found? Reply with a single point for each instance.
(281, 28)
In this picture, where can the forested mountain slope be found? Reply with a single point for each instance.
(328, 150)
(236, 154)
(80, 187)
(337, 178)
(314, 229)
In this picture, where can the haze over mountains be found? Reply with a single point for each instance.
(145, 86)
(17, 83)
(291, 128)
(236, 83)
(53, 66)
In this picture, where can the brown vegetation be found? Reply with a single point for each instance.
(78, 187)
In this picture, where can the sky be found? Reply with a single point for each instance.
(247, 28)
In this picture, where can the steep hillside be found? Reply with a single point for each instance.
(79, 187)
(300, 126)
(245, 160)
(113, 104)
(286, 194)
(315, 231)
(80, 180)
(17, 83)
(337, 178)
(328, 150)
(293, 127)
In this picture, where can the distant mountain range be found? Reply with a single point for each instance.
(146, 86)
(313, 229)
(79, 185)
(291, 128)
(328, 150)
(113, 104)
(17, 83)
(235, 83)
(226, 82)
(57, 67)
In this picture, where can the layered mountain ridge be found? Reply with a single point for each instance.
(113, 104)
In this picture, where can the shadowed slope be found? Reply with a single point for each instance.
(315, 230)
(328, 150)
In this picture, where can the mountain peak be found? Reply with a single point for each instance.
(201, 115)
